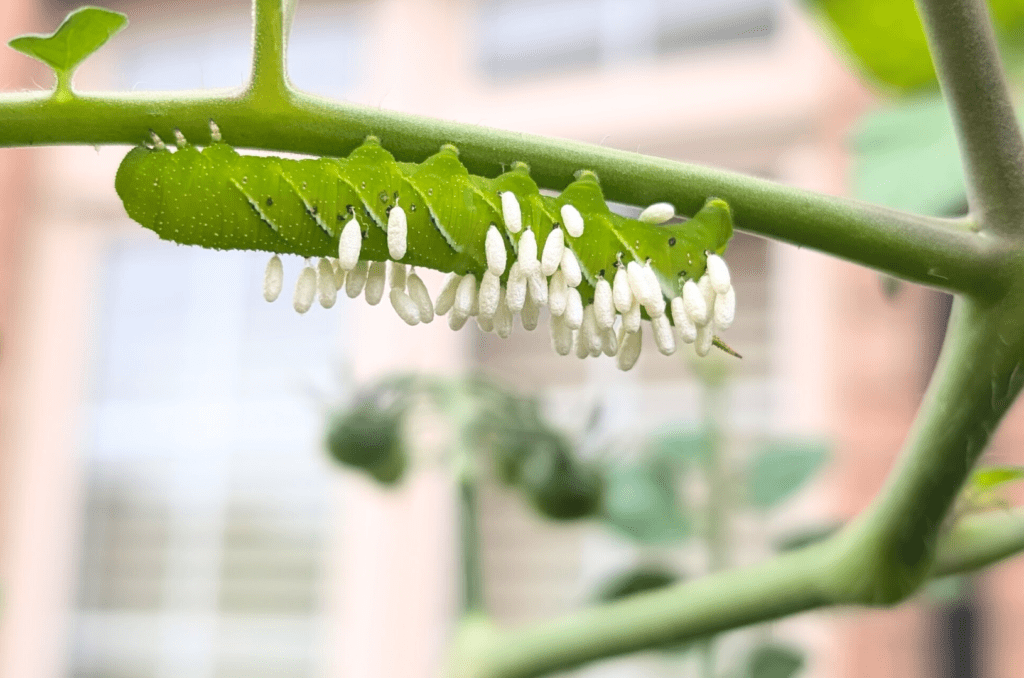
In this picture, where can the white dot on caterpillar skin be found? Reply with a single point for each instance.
(494, 249)
(527, 254)
(398, 232)
(561, 336)
(725, 309)
(573, 220)
(326, 283)
(686, 330)
(490, 292)
(658, 213)
(554, 248)
(466, 295)
(573, 309)
(446, 297)
(516, 288)
(622, 293)
(571, 268)
(397, 275)
(705, 339)
(350, 243)
(214, 132)
(273, 279)
(629, 350)
(604, 306)
(305, 289)
(511, 212)
(376, 280)
(419, 294)
(663, 336)
(530, 314)
(404, 306)
(693, 303)
(718, 274)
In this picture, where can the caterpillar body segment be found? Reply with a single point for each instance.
(508, 248)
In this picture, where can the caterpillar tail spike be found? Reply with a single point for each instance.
(508, 249)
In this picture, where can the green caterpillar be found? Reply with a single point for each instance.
(508, 248)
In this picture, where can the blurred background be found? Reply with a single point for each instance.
(166, 504)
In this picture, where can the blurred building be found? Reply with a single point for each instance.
(166, 507)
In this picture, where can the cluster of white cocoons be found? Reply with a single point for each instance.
(541, 274)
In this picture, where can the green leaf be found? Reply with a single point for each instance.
(774, 661)
(991, 477)
(681, 447)
(907, 158)
(781, 469)
(83, 31)
(639, 501)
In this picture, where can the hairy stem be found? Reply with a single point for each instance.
(938, 252)
(970, 72)
(269, 48)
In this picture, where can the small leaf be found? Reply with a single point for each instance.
(639, 501)
(780, 470)
(992, 477)
(83, 32)
(774, 661)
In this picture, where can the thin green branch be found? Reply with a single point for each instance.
(970, 72)
(979, 541)
(942, 253)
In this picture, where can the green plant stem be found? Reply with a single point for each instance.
(717, 510)
(980, 540)
(942, 253)
(472, 571)
(269, 72)
(888, 550)
(963, 47)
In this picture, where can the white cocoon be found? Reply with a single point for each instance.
(376, 279)
(511, 213)
(405, 307)
(557, 293)
(573, 309)
(554, 246)
(622, 293)
(686, 330)
(658, 213)
(629, 351)
(718, 274)
(421, 296)
(561, 336)
(273, 279)
(305, 289)
(355, 279)
(325, 283)
(604, 306)
(465, 295)
(663, 336)
(516, 293)
(446, 297)
(494, 249)
(398, 232)
(349, 244)
(571, 268)
(693, 304)
(725, 309)
(490, 290)
(573, 220)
